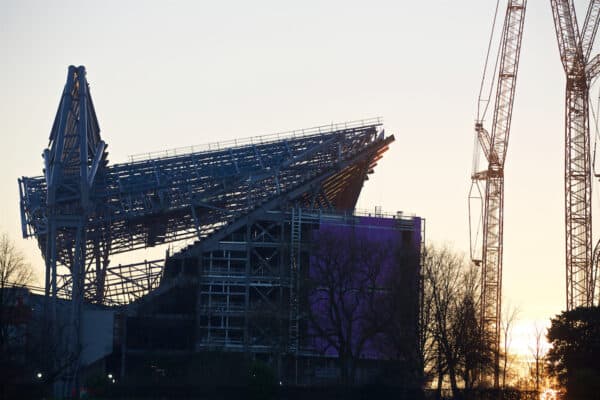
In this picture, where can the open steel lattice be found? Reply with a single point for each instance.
(83, 210)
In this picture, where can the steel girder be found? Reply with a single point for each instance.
(82, 210)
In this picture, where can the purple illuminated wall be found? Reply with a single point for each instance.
(351, 252)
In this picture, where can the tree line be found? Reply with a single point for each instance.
(365, 299)
(374, 298)
(370, 298)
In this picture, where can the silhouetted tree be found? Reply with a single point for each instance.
(351, 311)
(451, 293)
(402, 337)
(430, 358)
(509, 318)
(471, 351)
(15, 274)
(48, 348)
(30, 341)
(538, 352)
(574, 357)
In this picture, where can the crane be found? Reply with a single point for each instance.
(575, 47)
(493, 146)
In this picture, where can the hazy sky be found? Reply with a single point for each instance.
(169, 74)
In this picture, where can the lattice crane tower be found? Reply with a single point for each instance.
(494, 145)
(575, 47)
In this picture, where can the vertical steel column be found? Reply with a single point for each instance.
(76, 324)
(295, 243)
(491, 275)
(248, 268)
(495, 146)
(578, 193)
(575, 48)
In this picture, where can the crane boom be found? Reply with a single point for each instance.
(494, 147)
(590, 27)
(575, 49)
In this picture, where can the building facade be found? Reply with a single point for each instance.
(255, 293)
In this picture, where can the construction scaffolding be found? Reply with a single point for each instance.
(82, 210)
(243, 293)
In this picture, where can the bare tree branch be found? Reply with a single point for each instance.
(510, 316)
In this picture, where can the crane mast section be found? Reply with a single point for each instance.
(495, 150)
(575, 49)
(590, 28)
(578, 212)
(567, 33)
(505, 93)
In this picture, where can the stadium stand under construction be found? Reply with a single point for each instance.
(246, 215)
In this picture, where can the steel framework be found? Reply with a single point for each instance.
(575, 47)
(82, 211)
(243, 291)
(494, 148)
(160, 200)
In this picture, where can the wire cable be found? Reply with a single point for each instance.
(485, 67)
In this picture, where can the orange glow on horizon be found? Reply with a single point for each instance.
(548, 394)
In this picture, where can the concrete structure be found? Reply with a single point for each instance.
(247, 293)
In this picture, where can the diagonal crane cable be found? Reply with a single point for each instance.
(480, 100)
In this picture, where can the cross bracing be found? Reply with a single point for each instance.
(156, 201)
(83, 211)
(245, 291)
(123, 284)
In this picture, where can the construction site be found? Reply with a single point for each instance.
(250, 214)
(268, 262)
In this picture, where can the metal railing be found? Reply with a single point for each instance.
(253, 140)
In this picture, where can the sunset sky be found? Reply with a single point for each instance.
(170, 74)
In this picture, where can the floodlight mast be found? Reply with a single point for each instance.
(575, 47)
(494, 148)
